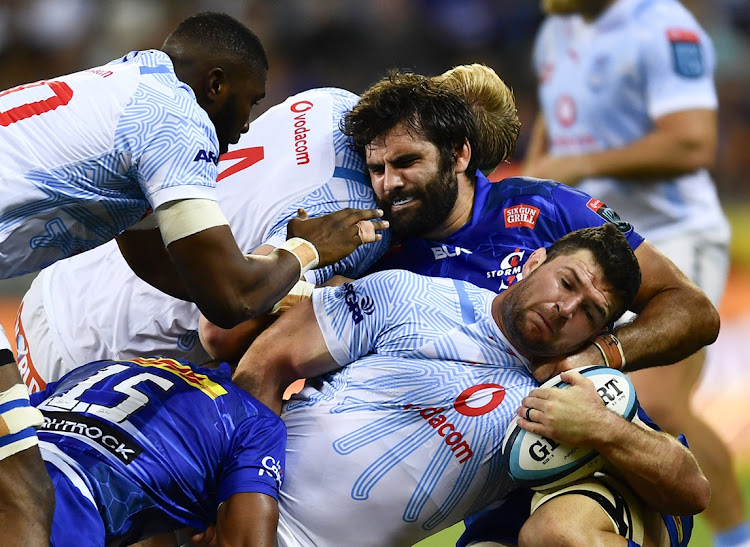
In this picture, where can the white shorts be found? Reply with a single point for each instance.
(617, 500)
(630, 517)
(704, 260)
(32, 331)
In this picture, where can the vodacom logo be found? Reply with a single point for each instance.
(479, 399)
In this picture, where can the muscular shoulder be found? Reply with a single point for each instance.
(659, 13)
(542, 191)
(162, 98)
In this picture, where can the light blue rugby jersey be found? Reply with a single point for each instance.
(89, 153)
(349, 187)
(603, 85)
(405, 439)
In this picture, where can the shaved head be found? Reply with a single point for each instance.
(215, 38)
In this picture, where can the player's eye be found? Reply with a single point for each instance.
(403, 163)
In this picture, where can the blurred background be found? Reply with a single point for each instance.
(352, 43)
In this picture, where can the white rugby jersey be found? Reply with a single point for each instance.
(84, 156)
(602, 85)
(293, 155)
(405, 439)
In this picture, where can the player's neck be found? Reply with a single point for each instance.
(459, 215)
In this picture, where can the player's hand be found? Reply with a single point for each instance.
(336, 235)
(336, 281)
(207, 538)
(546, 368)
(568, 170)
(574, 416)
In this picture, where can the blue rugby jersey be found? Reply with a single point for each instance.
(511, 219)
(157, 444)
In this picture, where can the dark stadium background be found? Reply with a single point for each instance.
(351, 43)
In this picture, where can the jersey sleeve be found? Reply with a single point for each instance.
(353, 316)
(255, 462)
(172, 143)
(677, 61)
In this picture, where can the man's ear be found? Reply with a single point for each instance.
(215, 84)
(535, 260)
(463, 156)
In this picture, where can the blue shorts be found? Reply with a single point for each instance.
(500, 522)
(76, 522)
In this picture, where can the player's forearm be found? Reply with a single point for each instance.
(656, 466)
(684, 143)
(230, 344)
(290, 349)
(247, 519)
(27, 499)
(675, 317)
(146, 255)
(228, 287)
(671, 327)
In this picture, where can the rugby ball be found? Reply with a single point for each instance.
(537, 462)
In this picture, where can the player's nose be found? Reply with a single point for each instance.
(567, 306)
(391, 179)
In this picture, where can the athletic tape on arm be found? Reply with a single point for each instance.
(183, 218)
(304, 251)
(17, 421)
(301, 290)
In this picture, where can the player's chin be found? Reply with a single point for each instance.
(535, 343)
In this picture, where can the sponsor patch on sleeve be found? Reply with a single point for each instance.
(687, 55)
(601, 209)
(521, 216)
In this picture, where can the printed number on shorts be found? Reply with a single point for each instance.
(38, 98)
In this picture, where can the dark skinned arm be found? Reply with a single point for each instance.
(247, 520)
(27, 497)
(209, 269)
(230, 344)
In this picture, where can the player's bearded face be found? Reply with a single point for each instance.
(434, 197)
(548, 314)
